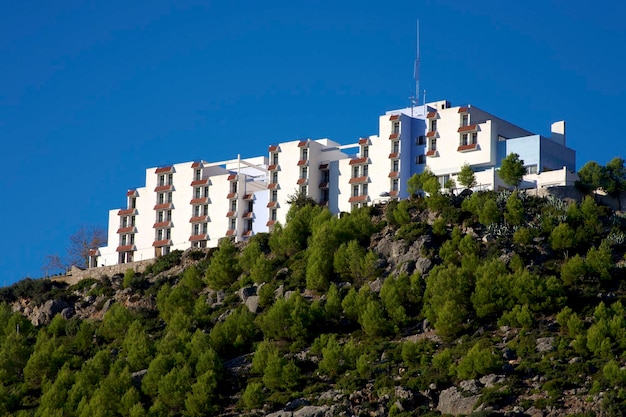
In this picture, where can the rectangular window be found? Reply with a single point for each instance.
(326, 176)
(420, 160)
(305, 153)
(355, 172)
(275, 177)
(465, 120)
(303, 190)
(433, 125)
(395, 128)
(160, 234)
(132, 239)
(474, 138)
(421, 140)
(197, 192)
(531, 169)
(161, 198)
(205, 210)
(170, 179)
(249, 225)
(433, 144)
(161, 216)
(205, 228)
(166, 250)
(396, 146)
(196, 229)
(161, 180)
(125, 221)
(273, 215)
(325, 195)
(206, 191)
(366, 151)
(365, 170)
(233, 187)
(464, 137)
(196, 211)
(395, 165)
(274, 196)
(275, 158)
(250, 206)
(394, 184)
(355, 190)
(123, 240)
(198, 174)
(168, 233)
(169, 197)
(233, 205)
(233, 224)
(364, 189)
(169, 215)
(304, 172)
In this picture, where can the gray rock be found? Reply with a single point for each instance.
(253, 303)
(295, 404)
(52, 307)
(402, 393)
(67, 313)
(107, 305)
(280, 413)
(545, 344)
(472, 386)
(280, 291)
(453, 402)
(311, 411)
(246, 292)
(491, 380)
(376, 285)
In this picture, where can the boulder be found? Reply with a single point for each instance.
(453, 402)
(311, 411)
(545, 344)
(253, 303)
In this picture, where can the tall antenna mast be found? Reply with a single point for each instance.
(415, 99)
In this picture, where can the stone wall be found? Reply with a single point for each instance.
(77, 274)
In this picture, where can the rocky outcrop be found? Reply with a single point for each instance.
(454, 402)
(403, 256)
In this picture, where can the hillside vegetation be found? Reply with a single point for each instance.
(486, 303)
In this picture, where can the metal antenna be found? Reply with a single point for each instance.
(415, 99)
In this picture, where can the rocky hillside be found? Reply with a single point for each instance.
(483, 304)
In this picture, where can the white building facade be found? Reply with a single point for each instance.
(194, 204)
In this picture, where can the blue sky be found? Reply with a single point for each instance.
(93, 93)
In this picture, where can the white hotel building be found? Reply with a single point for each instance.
(194, 204)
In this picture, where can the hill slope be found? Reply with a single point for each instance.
(488, 303)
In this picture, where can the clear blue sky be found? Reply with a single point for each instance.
(93, 93)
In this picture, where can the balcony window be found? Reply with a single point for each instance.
(233, 187)
(275, 177)
(275, 158)
(196, 229)
(355, 172)
(305, 153)
(205, 210)
(395, 165)
(205, 228)
(304, 172)
(432, 146)
(433, 125)
(355, 191)
(365, 170)
(198, 174)
(274, 197)
(364, 189)
(465, 120)
(366, 151)
(161, 198)
(170, 179)
(420, 160)
(395, 128)
(233, 224)
(133, 202)
(395, 147)
(233, 205)
(273, 215)
(421, 140)
(197, 192)
(169, 215)
(394, 184)
(326, 176)
(132, 221)
(125, 221)
(169, 197)
(168, 233)
(161, 180)
(303, 190)
(161, 216)
(196, 211)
